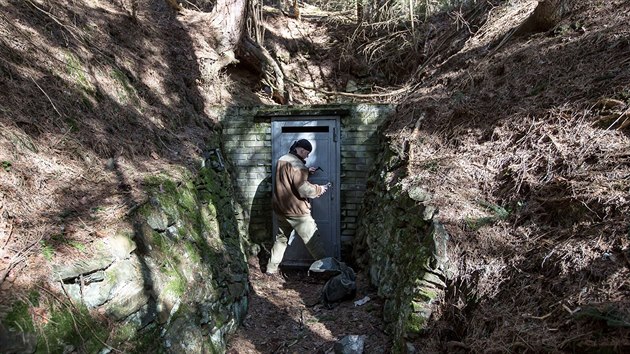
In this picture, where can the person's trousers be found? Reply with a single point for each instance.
(306, 228)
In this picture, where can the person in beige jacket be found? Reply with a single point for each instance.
(290, 200)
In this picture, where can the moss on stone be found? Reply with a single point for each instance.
(147, 341)
(200, 216)
(62, 329)
(187, 198)
(415, 323)
(426, 294)
(192, 252)
(123, 333)
(399, 239)
(176, 285)
(202, 238)
(158, 240)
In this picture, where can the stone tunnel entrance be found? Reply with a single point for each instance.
(345, 136)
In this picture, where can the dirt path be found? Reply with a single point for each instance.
(280, 319)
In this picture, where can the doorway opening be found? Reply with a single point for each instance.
(322, 133)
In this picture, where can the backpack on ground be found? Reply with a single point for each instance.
(341, 286)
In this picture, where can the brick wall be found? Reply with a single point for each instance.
(247, 150)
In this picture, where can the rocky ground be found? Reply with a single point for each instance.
(287, 316)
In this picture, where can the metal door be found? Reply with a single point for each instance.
(322, 133)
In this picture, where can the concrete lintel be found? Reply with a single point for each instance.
(314, 111)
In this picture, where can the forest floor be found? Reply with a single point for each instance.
(286, 315)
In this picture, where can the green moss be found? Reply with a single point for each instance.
(176, 286)
(61, 328)
(425, 294)
(220, 319)
(415, 323)
(259, 129)
(145, 210)
(123, 333)
(147, 341)
(203, 210)
(78, 246)
(187, 197)
(208, 217)
(47, 250)
(110, 277)
(193, 252)
(75, 70)
(72, 123)
(19, 318)
(499, 213)
(33, 297)
(208, 182)
(125, 91)
(475, 224)
(159, 241)
(180, 201)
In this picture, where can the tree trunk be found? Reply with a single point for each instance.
(215, 35)
(220, 34)
(546, 16)
(228, 19)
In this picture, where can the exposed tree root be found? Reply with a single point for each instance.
(259, 59)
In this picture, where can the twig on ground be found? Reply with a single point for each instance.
(537, 317)
(54, 19)
(569, 340)
(9, 233)
(622, 115)
(571, 312)
(74, 321)
(48, 97)
(193, 5)
(357, 95)
(16, 259)
(135, 207)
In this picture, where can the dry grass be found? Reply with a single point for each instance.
(536, 128)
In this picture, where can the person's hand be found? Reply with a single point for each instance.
(324, 188)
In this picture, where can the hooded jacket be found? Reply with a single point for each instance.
(292, 188)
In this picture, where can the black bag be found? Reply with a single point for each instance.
(341, 286)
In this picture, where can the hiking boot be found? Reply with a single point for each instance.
(277, 276)
(271, 268)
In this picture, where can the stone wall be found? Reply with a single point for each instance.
(175, 278)
(401, 242)
(247, 148)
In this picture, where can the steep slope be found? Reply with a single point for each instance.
(523, 142)
(113, 232)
